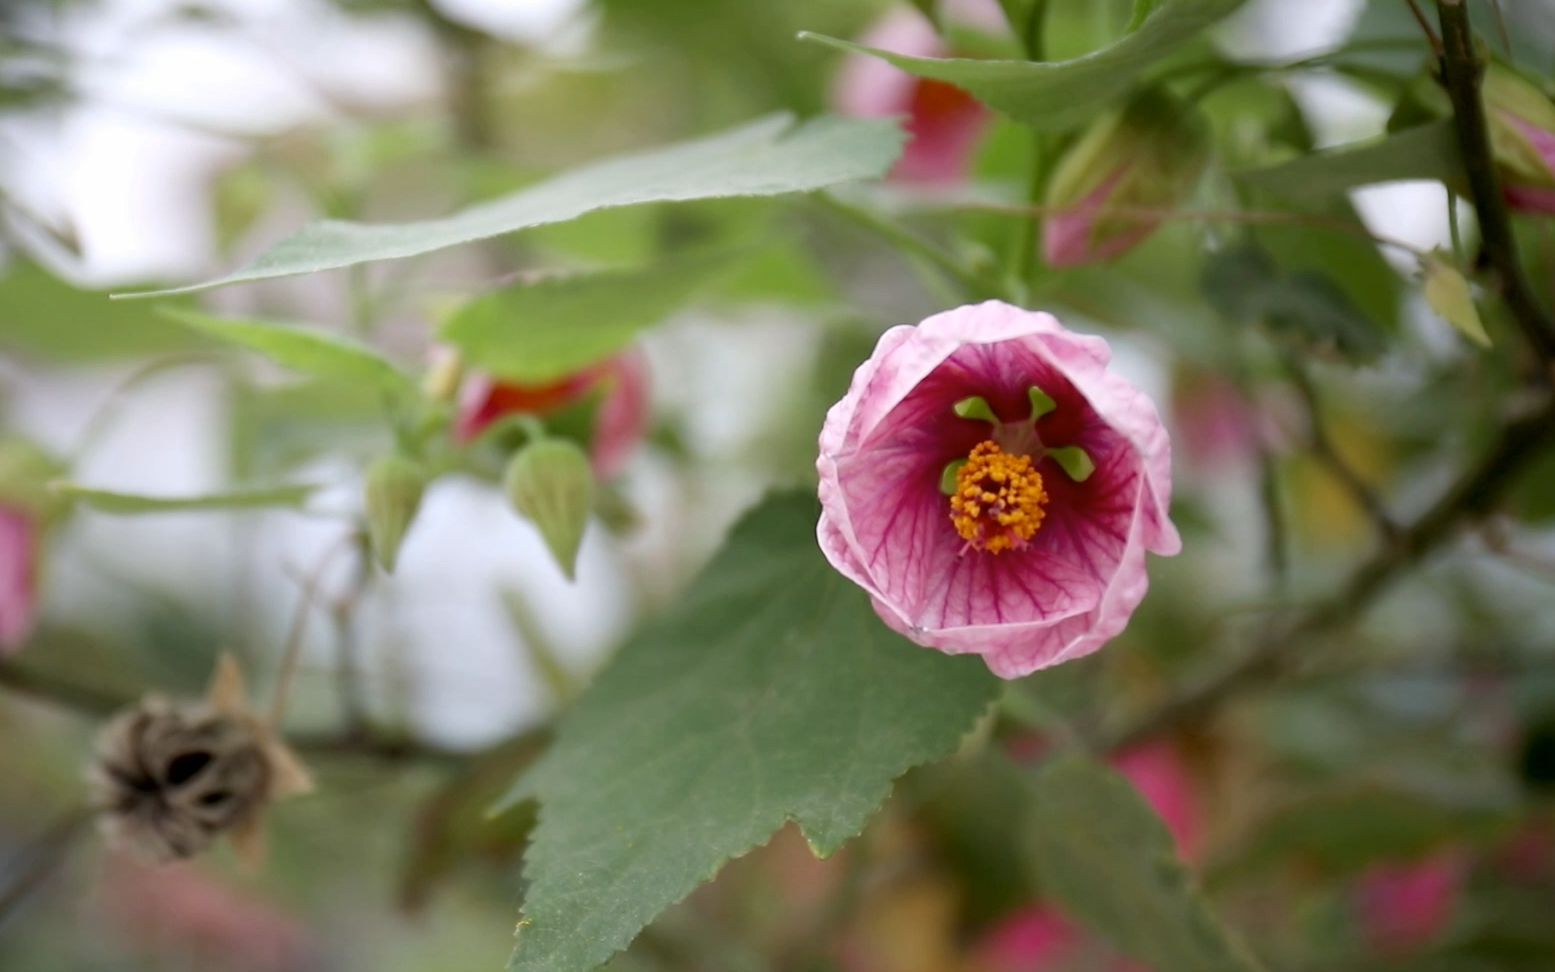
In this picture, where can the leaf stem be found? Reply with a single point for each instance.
(97, 701)
(972, 285)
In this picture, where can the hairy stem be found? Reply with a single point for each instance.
(1461, 71)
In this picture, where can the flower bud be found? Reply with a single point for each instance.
(394, 488)
(549, 482)
(1149, 156)
(25, 473)
(28, 509)
(1521, 119)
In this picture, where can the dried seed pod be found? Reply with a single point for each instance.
(170, 778)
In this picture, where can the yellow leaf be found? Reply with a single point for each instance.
(1447, 292)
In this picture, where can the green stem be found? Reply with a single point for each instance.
(973, 285)
(1023, 263)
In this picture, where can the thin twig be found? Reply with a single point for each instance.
(1276, 549)
(291, 653)
(1521, 441)
(1461, 70)
(1327, 452)
(98, 701)
(1425, 26)
(1153, 214)
(348, 681)
(32, 867)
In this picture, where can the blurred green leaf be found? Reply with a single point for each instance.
(45, 317)
(1425, 152)
(540, 331)
(770, 693)
(303, 349)
(1244, 285)
(107, 501)
(768, 157)
(1104, 855)
(1062, 94)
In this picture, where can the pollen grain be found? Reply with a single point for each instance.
(999, 499)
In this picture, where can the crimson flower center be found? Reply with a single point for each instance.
(998, 500)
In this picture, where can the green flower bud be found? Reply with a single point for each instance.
(1148, 156)
(394, 487)
(25, 473)
(549, 481)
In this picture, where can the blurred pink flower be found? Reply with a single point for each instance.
(994, 487)
(1215, 424)
(619, 425)
(19, 534)
(175, 910)
(1403, 907)
(1157, 771)
(943, 123)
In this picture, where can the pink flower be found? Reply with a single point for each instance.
(944, 123)
(175, 911)
(18, 577)
(1405, 906)
(620, 423)
(995, 488)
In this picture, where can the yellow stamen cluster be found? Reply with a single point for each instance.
(998, 501)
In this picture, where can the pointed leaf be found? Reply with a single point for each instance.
(1426, 152)
(305, 349)
(1062, 94)
(1448, 293)
(768, 157)
(771, 693)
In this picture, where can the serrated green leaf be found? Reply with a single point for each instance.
(1062, 94)
(768, 157)
(770, 693)
(1448, 293)
(1106, 857)
(108, 501)
(303, 349)
(544, 330)
(1425, 152)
